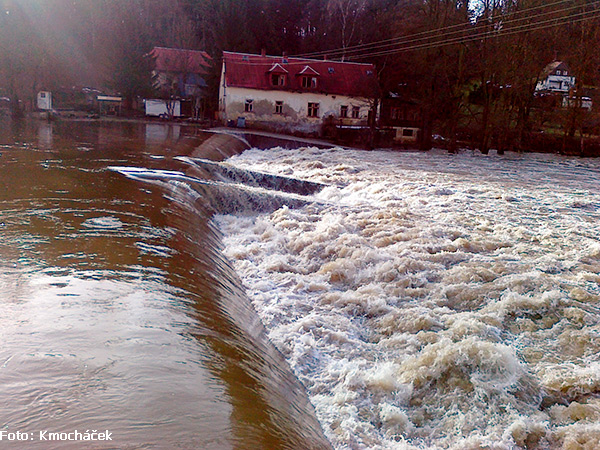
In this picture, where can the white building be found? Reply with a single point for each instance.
(556, 77)
(44, 100)
(295, 94)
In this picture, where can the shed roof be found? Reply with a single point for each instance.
(180, 60)
(334, 77)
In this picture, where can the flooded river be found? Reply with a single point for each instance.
(119, 313)
(388, 300)
(434, 301)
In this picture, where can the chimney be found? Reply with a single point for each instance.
(263, 52)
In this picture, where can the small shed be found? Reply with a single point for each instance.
(109, 105)
(44, 100)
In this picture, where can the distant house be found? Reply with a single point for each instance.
(181, 74)
(556, 78)
(404, 116)
(557, 82)
(295, 94)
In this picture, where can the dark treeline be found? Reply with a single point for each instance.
(473, 66)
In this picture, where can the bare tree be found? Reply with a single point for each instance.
(348, 14)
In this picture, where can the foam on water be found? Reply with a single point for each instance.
(433, 301)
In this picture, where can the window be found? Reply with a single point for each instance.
(396, 113)
(42, 94)
(408, 132)
(344, 111)
(309, 82)
(330, 70)
(355, 112)
(278, 107)
(277, 79)
(313, 110)
(248, 105)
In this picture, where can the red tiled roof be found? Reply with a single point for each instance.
(334, 77)
(179, 60)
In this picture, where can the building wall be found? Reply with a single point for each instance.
(294, 114)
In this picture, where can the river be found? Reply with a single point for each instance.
(119, 312)
(415, 301)
(434, 301)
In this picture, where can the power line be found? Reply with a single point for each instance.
(503, 23)
(291, 61)
(338, 50)
(575, 18)
(528, 27)
(426, 34)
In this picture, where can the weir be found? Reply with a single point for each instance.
(121, 311)
(217, 196)
(260, 383)
(226, 172)
(207, 186)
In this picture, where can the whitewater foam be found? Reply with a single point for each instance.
(433, 301)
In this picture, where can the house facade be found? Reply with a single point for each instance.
(556, 78)
(295, 95)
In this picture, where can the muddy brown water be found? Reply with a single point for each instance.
(119, 313)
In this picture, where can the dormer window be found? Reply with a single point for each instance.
(309, 82)
(309, 77)
(277, 74)
(277, 79)
(558, 72)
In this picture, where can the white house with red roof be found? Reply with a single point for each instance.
(295, 94)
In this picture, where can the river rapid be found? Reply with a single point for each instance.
(433, 301)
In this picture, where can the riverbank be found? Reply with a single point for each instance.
(583, 146)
